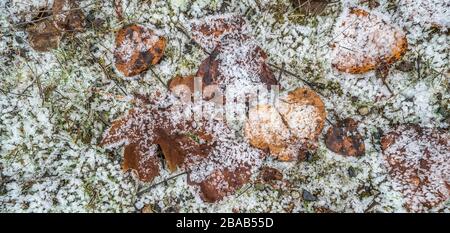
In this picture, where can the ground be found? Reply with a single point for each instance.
(56, 105)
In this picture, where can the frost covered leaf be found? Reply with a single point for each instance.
(141, 157)
(270, 174)
(142, 129)
(68, 16)
(287, 128)
(44, 36)
(176, 147)
(434, 13)
(417, 160)
(209, 69)
(345, 139)
(208, 31)
(222, 182)
(135, 131)
(365, 40)
(184, 87)
(136, 49)
(236, 57)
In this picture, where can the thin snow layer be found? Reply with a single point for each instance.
(428, 13)
(55, 107)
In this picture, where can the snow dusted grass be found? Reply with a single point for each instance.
(55, 106)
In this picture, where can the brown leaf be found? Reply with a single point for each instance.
(179, 148)
(142, 159)
(129, 128)
(270, 174)
(254, 62)
(310, 7)
(46, 33)
(345, 139)
(288, 128)
(67, 16)
(365, 41)
(184, 87)
(222, 182)
(417, 162)
(44, 36)
(136, 49)
(141, 129)
(209, 69)
(208, 32)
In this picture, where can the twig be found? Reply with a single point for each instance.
(142, 191)
(292, 74)
(159, 79)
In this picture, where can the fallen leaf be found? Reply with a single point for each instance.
(44, 36)
(222, 182)
(310, 7)
(287, 128)
(270, 174)
(345, 139)
(47, 31)
(417, 160)
(363, 41)
(142, 158)
(67, 16)
(208, 31)
(136, 49)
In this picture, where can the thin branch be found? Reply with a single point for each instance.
(142, 191)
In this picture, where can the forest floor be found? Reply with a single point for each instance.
(56, 105)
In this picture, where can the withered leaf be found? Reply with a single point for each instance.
(365, 42)
(47, 32)
(310, 7)
(222, 182)
(136, 49)
(289, 128)
(67, 16)
(417, 160)
(208, 32)
(270, 174)
(44, 36)
(345, 139)
(209, 69)
(184, 87)
(177, 147)
(142, 159)
(142, 129)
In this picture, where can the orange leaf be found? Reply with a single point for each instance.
(136, 49)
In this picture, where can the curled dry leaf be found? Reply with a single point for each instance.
(417, 160)
(365, 40)
(345, 139)
(287, 128)
(136, 49)
(208, 31)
